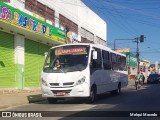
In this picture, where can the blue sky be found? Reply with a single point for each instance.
(128, 19)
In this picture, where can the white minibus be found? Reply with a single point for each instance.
(82, 70)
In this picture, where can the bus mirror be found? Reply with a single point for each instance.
(45, 54)
(94, 55)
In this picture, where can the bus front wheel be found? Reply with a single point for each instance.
(92, 97)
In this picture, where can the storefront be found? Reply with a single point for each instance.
(23, 41)
(34, 60)
(7, 66)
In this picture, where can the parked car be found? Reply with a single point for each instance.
(153, 78)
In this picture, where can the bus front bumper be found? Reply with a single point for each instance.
(81, 90)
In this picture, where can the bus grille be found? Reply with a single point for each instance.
(62, 84)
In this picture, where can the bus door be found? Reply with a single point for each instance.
(96, 70)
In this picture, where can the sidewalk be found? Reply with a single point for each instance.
(10, 97)
(131, 82)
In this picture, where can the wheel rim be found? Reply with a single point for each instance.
(119, 89)
(92, 96)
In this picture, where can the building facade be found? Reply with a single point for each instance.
(28, 28)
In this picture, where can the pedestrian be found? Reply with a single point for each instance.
(143, 77)
(139, 80)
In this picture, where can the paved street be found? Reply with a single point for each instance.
(146, 99)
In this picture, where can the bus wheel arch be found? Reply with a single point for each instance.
(118, 90)
(93, 94)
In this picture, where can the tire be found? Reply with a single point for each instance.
(52, 100)
(92, 97)
(117, 91)
(139, 86)
(136, 86)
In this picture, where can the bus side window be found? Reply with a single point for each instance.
(124, 63)
(106, 60)
(119, 62)
(114, 61)
(96, 63)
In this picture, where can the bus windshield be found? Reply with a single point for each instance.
(66, 59)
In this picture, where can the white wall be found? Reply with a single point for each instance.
(78, 12)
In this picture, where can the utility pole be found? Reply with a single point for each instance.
(137, 40)
(137, 54)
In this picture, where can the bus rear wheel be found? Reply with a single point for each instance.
(117, 91)
(52, 100)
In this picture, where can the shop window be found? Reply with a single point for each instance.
(61, 19)
(41, 6)
(30, 5)
(8, 1)
(83, 40)
(50, 14)
(41, 9)
(66, 22)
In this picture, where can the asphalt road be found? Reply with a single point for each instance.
(106, 107)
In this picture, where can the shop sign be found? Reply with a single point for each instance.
(20, 19)
(122, 50)
(131, 59)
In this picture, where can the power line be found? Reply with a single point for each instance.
(134, 10)
(109, 17)
(129, 27)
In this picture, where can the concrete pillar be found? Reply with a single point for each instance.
(19, 60)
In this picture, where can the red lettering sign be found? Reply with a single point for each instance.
(70, 51)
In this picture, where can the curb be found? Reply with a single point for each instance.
(4, 106)
(28, 99)
(35, 98)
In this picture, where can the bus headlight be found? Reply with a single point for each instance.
(82, 80)
(44, 82)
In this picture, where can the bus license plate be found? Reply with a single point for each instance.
(60, 93)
